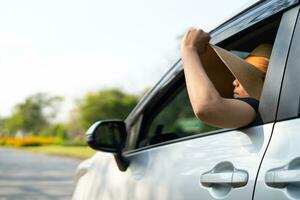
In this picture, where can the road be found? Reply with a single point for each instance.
(29, 176)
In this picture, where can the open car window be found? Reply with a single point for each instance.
(175, 118)
(170, 116)
(172, 120)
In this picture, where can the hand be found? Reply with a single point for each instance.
(195, 40)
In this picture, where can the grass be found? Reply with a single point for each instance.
(66, 151)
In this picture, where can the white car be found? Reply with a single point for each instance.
(161, 151)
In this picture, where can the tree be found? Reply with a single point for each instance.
(57, 130)
(75, 129)
(3, 129)
(34, 114)
(105, 104)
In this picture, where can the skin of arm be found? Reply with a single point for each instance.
(206, 101)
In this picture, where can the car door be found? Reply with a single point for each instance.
(279, 175)
(172, 155)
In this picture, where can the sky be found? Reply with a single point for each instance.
(72, 47)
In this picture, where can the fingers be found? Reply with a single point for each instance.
(189, 33)
(195, 39)
(197, 35)
(195, 31)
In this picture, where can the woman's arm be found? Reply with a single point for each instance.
(206, 101)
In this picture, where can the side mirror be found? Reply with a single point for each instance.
(109, 136)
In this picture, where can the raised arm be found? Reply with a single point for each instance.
(207, 103)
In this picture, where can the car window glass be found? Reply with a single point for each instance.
(175, 120)
(178, 118)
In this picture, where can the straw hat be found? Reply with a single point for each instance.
(223, 68)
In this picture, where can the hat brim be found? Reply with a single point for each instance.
(222, 67)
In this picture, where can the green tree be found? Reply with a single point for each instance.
(75, 129)
(57, 130)
(105, 104)
(3, 131)
(34, 114)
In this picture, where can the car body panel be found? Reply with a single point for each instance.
(173, 171)
(282, 154)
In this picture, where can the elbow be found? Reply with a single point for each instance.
(206, 110)
(202, 111)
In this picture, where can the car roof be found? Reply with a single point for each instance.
(244, 19)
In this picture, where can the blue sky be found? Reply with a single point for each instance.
(69, 48)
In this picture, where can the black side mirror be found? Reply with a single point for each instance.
(109, 136)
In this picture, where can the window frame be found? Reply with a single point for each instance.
(281, 46)
(289, 100)
(274, 77)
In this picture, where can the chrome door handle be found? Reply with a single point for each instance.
(235, 179)
(281, 178)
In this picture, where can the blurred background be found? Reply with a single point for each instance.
(66, 64)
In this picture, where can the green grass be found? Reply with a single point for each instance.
(66, 151)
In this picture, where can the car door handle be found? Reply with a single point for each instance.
(281, 178)
(235, 179)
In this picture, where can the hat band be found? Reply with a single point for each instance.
(259, 62)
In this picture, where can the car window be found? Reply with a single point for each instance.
(175, 120)
(173, 116)
(170, 115)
